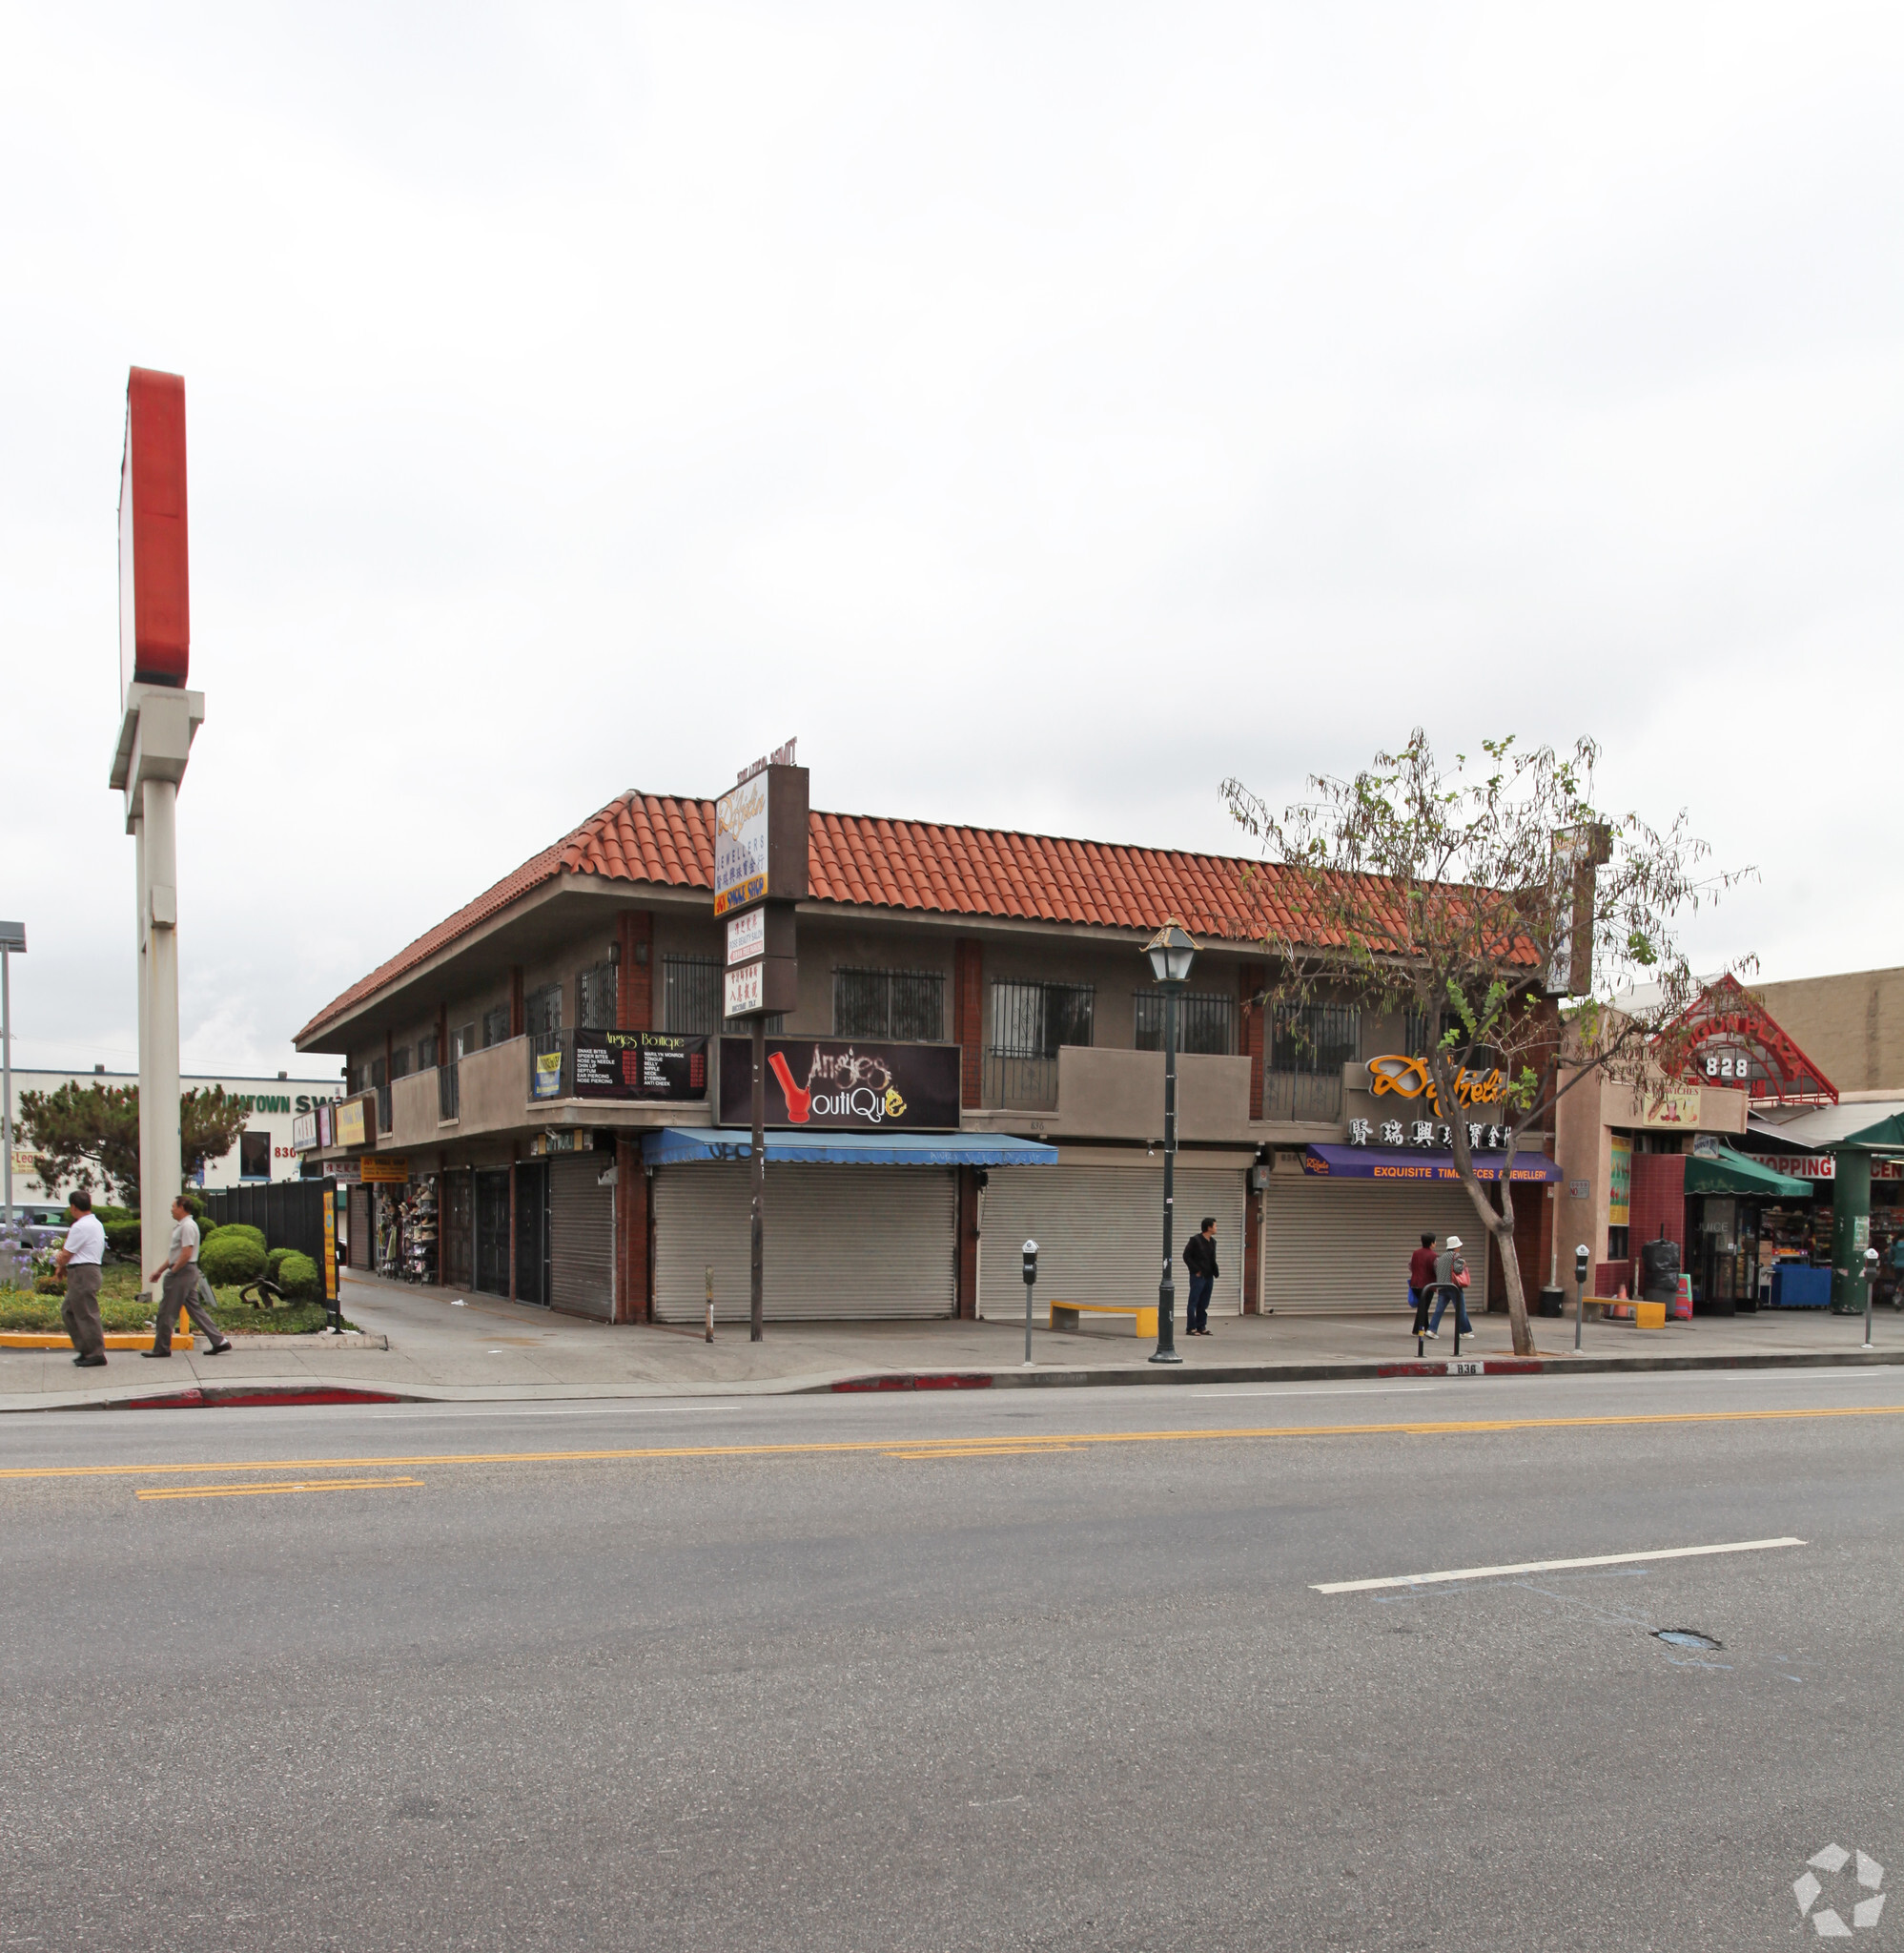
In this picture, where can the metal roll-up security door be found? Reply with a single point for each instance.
(582, 1235)
(361, 1243)
(1098, 1231)
(1345, 1245)
(864, 1243)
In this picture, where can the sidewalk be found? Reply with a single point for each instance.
(488, 1350)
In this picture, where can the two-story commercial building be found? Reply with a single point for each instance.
(545, 1105)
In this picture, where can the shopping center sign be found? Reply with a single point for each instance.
(843, 1085)
(759, 838)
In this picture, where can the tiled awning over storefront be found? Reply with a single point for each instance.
(1407, 1165)
(673, 1145)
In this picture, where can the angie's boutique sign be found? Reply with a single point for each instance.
(843, 1085)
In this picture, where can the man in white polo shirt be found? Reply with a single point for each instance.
(181, 1276)
(81, 1260)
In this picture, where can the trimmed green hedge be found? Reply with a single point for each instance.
(275, 1259)
(228, 1257)
(298, 1277)
(122, 1237)
(241, 1228)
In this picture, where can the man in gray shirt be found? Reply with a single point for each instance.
(82, 1262)
(180, 1274)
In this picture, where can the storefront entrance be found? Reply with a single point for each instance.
(532, 1232)
(492, 1232)
(1345, 1244)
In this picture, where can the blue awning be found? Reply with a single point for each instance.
(673, 1145)
(1405, 1166)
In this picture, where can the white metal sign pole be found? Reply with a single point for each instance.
(7, 1068)
(136, 822)
(161, 1170)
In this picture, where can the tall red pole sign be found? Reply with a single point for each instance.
(155, 580)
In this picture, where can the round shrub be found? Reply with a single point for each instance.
(228, 1257)
(298, 1277)
(122, 1237)
(273, 1261)
(243, 1228)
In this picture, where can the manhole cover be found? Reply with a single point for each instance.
(1685, 1637)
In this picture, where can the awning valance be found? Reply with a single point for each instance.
(1404, 1164)
(1726, 1172)
(673, 1145)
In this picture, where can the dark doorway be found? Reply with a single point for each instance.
(492, 1232)
(532, 1233)
(458, 1221)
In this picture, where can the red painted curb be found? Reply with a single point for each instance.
(955, 1381)
(179, 1400)
(1513, 1367)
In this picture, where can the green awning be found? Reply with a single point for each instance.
(1728, 1172)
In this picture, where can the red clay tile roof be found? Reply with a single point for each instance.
(900, 864)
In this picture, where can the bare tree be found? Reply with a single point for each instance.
(1529, 931)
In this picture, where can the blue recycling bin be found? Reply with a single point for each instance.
(1795, 1286)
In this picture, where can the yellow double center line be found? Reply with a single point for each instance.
(991, 1445)
(242, 1492)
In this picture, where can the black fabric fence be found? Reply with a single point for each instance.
(291, 1212)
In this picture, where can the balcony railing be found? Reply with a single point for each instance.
(449, 1093)
(1020, 1085)
(1314, 1096)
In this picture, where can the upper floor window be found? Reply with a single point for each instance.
(399, 1062)
(906, 1005)
(595, 998)
(1207, 1022)
(541, 1009)
(690, 999)
(254, 1155)
(426, 1053)
(462, 1042)
(1032, 1020)
(1422, 1030)
(1314, 1039)
(496, 1026)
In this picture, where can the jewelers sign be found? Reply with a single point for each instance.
(843, 1085)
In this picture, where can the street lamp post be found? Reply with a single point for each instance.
(1171, 953)
(12, 943)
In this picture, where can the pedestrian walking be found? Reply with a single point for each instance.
(180, 1275)
(1451, 1277)
(1421, 1279)
(1200, 1257)
(82, 1262)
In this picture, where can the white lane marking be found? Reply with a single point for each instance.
(1605, 1559)
(1381, 1391)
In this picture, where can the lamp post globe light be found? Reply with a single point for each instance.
(1171, 953)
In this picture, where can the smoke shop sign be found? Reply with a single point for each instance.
(844, 1085)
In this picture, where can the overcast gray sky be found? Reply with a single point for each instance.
(1041, 411)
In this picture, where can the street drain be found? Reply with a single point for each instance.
(1685, 1637)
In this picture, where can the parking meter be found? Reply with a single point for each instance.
(1581, 1261)
(1030, 1277)
(1871, 1260)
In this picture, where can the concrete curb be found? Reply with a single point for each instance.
(1020, 1379)
(263, 1392)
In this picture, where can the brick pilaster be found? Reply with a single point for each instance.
(1250, 1029)
(633, 1302)
(969, 1018)
(634, 982)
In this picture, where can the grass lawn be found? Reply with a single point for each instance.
(120, 1310)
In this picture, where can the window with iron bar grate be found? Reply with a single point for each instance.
(1206, 1022)
(1316, 1038)
(1034, 1020)
(906, 1005)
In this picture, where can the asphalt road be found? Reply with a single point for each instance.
(1032, 1669)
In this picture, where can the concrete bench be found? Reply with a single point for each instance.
(1143, 1316)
